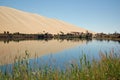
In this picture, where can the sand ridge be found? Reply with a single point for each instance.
(14, 20)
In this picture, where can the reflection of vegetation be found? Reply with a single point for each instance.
(108, 68)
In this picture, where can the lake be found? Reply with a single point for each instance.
(54, 52)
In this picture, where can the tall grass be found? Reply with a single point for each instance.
(108, 68)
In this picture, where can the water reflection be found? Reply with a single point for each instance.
(101, 40)
(6, 41)
(57, 52)
(9, 49)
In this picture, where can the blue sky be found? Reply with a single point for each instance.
(95, 15)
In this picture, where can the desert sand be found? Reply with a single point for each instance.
(14, 20)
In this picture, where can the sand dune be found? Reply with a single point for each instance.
(13, 20)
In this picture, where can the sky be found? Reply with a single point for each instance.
(95, 15)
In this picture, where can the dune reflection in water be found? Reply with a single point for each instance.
(9, 51)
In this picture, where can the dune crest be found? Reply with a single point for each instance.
(13, 20)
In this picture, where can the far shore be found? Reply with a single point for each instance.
(7, 36)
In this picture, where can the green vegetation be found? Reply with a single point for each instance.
(22, 36)
(113, 36)
(108, 68)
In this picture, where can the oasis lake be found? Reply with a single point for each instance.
(54, 52)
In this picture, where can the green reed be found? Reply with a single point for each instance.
(108, 68)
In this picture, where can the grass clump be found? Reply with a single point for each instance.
(108, 68)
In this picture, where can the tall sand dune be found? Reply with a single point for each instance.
(13, 20)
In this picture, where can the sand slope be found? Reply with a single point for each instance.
(13, 20)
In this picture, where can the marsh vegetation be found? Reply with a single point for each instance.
(108, 68)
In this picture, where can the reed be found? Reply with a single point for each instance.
(108, 68)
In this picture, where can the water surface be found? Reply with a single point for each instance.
(55, 52)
